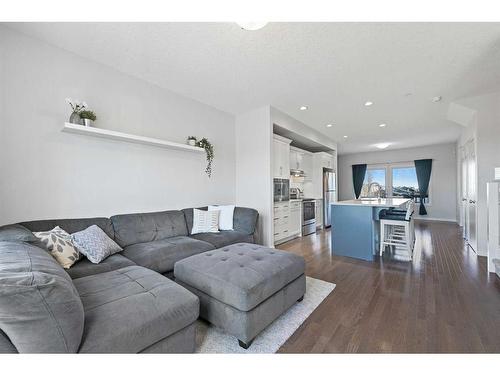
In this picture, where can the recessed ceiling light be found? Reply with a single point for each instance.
(383, 125)
(304, 108)
(368, 103)
(329, 125)
(345, 136)
(252, 26)
(436, 99)
(382, 145)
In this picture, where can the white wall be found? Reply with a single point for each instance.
(49, 174)
(486, 131)
(253, 173)
(443, 187)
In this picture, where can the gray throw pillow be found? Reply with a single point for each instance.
(16, 233)
(95, 244)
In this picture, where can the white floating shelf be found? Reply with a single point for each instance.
(118, 136)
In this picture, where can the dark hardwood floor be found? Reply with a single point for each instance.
(444, 301)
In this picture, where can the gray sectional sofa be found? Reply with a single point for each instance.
(124, 304)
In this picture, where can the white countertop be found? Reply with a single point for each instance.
(374, 202)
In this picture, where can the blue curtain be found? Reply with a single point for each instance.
(358, 176)
(423, 168)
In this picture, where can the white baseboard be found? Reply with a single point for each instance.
(423, 218)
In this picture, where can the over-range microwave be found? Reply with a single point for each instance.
(281, 189)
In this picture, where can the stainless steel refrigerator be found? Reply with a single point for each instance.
(329, 194)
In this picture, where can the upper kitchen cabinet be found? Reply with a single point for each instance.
(301, 160)
(321, 160)
(281, 157)
(325, 160)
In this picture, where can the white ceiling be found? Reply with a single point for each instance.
(331, 67)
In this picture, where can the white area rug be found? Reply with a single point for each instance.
(211, 340)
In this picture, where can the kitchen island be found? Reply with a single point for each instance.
(355, 227)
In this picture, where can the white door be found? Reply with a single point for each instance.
(472, 197)
(465, 196)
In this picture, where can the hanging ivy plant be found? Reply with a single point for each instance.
(209, 149)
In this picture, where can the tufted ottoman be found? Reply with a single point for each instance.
(243, 287)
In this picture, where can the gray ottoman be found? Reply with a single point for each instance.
(243, 287)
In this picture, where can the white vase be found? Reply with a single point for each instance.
(87, 122)
(191, 142)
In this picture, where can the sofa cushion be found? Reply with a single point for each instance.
(60, 245)
(138, 228)
(40, 310)
(161, 255)
(224, 237)
(226, 216)
(205, 221)
(6, 346)
(240, 275)
(188, 216)
(244, 219)
(71, 225)
(85, 267)
(129, 309)
(16, 233)
(94, 243)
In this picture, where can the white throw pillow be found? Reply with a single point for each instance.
(60, 245)
(205, 221)
(225, 217)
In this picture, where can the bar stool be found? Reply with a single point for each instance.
(397, 229)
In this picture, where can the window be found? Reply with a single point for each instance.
(396, 180)
(374, 176)
(405, 183)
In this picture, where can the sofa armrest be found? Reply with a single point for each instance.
(245, 219)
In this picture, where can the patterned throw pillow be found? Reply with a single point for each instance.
(95, 244)
(60, 245)
(205, 221)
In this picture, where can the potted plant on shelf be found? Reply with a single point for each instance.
(209, 149)
(77, 107)
(191, 140)
(88, 117)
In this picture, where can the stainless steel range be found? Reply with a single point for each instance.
(308, 216)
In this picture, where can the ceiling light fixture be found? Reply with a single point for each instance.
(252, 26)
(304, 108)
(345, 136)
(382, 145)
(368, 103)
(436, 99)
(329, 125)
(382, 125)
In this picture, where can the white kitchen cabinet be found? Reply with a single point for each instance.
(295, 158)
(286, 220)
(302, 160)
(281, 157)
(295, 215)
(321, 160)
(307, 166)
(281, 220)
(319, 213)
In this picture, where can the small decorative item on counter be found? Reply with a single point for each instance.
(191, 140)
(88, 117)
(209, 149)
(77, 107)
